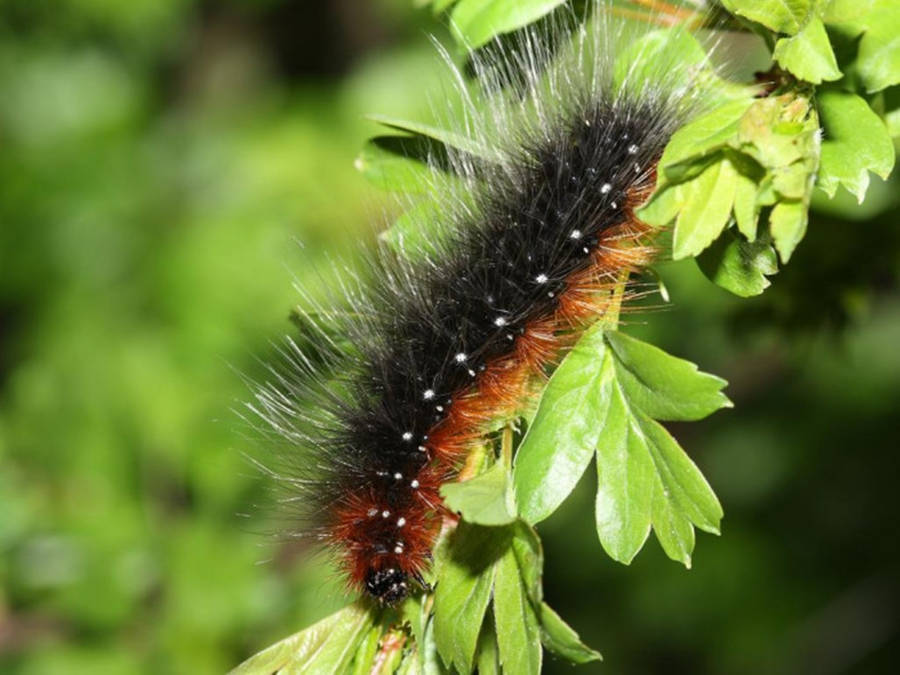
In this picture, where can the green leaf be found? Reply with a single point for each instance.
(518, 634)
(625, 483)
(488, 651)
(487, 499)
(787, 223)
(416, 232)
(365, 654)
(708, 200)
(856, 142)
(879, 49)
(639, 62)
(400, 162)
(561, 439)
(476, 22)
(844, 11)
(701, 138)
(526, 546)
(739, 266)
(644, 477)
(446, 137)
(464, 591)
(808, 54)
(735, 161)
(503, 563)
(325, 647)
(782, 16)
(746, 210)
(778, 131)
(619, 384)
(661, 385)
(559, 638)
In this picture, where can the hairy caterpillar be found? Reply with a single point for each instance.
(534, 242)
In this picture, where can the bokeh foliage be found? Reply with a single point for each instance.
(157, 158)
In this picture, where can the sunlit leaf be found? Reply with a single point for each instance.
(808, 54)
(476, 22)
(856, 142)
(327, 646)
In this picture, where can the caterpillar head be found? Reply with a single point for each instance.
(388, 586)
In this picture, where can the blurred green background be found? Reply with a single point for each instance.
(160, 160)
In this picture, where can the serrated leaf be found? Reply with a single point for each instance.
(782, 16)
(808, 54)
(476, 22)
(518, 635)
(681, 481)
(856, 142)
(464, 591)
(327, 646)
(559, 638)
(739, 266)
(619, 383)
(708, 201)
(561, 439)
(787, 223)
(878, 56)
(487, 499)
(661, 385)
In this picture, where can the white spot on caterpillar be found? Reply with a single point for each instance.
(422, 448)
(510, 337)
(586, 249)
(398, 476)
(461, 357)
(575, 234)
(385, 514)
(372, 512)
(632, 149)
(401, 522)
(637, 168)
(499, 321)
(605, 188)
(439, 408)
(541, 278)
(414, 484)
(550, 294)
(471, 373)
(614, 205)
(428, 395)
(407, 435)
(398, 548)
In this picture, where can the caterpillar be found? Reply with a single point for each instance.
(430, 347)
